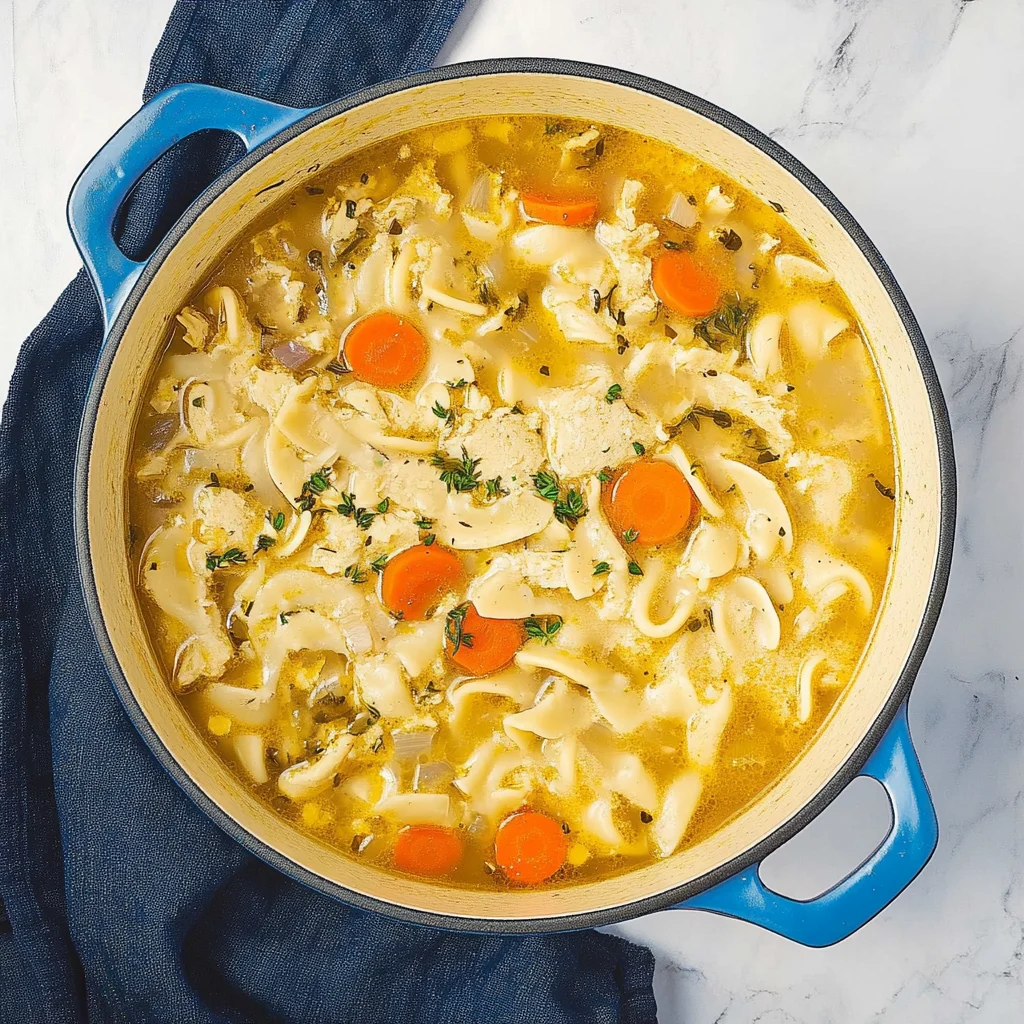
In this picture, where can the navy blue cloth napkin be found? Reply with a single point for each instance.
(121, 901)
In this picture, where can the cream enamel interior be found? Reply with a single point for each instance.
(917, 459)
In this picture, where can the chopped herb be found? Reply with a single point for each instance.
(453, 623)
(377, 565)
(727, 324)
(459, 475)
(782, 531)
(249, 487)
(359, 236)
(517, 409)
(460, 383)
(263, 542)
(214, 480)
(350, 209)
(601, 568)
(614, 393)
(337, 367)
(440, 411)
(424, 523)
(278, 521)
(553, 127)
(639, 448)
(671, 245)
(315, 259)
(363, 517)
(646, 817)
(394, 228)
(318, 482)
(635, 570)
(545, 371)
(717, 416)
(630, 535)
(765, 457)
(429, 539)
(886, 492)
(622, 343)
(777, 207)
(233, 556)
(693, 625)
(356, 575)
(597, 299)
(312, 190)
(543, 628)
(284, 618)
(364, 178)
(570, 509)
(730, 240)
(604, 476)
(671, 332)
(198, 402)
(546, 485)
(494, 488)
(383, 506)
(709, 615)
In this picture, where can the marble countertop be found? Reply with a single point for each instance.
(910, 111)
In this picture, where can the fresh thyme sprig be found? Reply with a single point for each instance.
(459, 475)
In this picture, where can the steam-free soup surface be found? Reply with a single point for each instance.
(514, 502)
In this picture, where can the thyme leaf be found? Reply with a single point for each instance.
(233, 556)
(543, 628)
(460, 475)
(453, 629)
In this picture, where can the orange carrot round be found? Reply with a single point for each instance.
(384, 350)
(684, 285)
(530, 847)
(416, 579)
(569, 212)
(481, 646)
(428, 850)
(649, 502)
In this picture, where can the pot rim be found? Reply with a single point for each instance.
(857, 757)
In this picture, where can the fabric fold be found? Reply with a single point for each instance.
(119, 899)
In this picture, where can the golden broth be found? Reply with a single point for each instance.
(807, 415)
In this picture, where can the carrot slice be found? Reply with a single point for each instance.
(384, 350)
(570, 212)
(530, 846)
(649, 502)
(481, 646)
(685, 286)
(428, 850)
(416, 579)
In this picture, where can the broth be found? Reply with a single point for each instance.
(517, 499)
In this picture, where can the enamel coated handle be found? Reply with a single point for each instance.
(868, 889)
(107, 180)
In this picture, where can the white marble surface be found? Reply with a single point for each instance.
(910, 111)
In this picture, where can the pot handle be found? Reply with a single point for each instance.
(867, 890)
(113, 172)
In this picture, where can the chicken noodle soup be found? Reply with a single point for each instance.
(514, 502)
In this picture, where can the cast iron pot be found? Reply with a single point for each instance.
(866, 734)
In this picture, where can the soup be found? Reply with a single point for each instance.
(514, 502)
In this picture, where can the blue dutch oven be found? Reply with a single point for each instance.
(865, 734)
